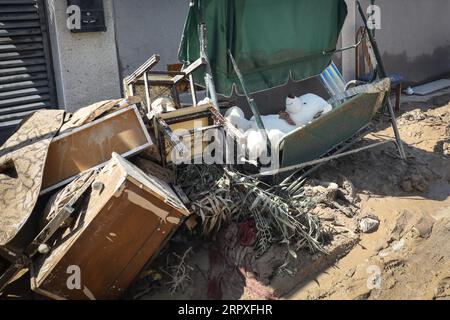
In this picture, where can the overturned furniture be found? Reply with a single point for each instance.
(180, 134)
(144, 79)
(127, 218)
(251, 49)
(45, 154)
(179, 131)
(92, 144)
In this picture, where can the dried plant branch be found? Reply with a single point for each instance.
(179, 273)
(220, 195)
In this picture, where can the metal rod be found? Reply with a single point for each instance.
(341, 148)
(147, 92)
(209, 82)
(383, 74)
(318, 161)
(354, 46)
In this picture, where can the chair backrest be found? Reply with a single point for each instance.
(332, 80)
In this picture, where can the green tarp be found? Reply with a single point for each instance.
(270, 39)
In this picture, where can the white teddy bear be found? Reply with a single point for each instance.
(306, 108)
(256, 145)
(236, 117)
(273, 122)
(301, 110)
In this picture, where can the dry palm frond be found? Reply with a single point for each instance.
(220, 195)
(288, 216)
(210, 193)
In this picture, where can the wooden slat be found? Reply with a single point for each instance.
(17, 2)
(8, 124)
(15, 116)
(17, 9)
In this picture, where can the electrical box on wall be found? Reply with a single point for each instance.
(90, 15)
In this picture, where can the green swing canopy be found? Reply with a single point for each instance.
(270, 40)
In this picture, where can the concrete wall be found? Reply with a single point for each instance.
(86, 65)
(415, 37)
(146, 27)
(155, 26)
(414, 41)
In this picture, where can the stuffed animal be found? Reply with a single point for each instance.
(306, 108)
(299, 111)
(274, 122)
(236, 117)
(256, 145)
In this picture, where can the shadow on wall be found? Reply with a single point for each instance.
(435, 65)
(5, 133)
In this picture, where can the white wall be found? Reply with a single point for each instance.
(85, 64)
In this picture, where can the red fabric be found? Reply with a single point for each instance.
(230, 257)
(247, 233)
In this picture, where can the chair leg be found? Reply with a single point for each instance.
(399, 96)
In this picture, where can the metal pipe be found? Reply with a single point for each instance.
(147, 92)
(383, 74)
(209, 81)
(319, 161)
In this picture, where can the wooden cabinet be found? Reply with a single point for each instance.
(124, 222)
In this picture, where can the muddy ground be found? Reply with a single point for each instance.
(406, 257)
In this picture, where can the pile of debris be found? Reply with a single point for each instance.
(258, 240)
(70, 202)
(85, 221)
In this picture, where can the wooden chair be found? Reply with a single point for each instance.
(144, 78)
